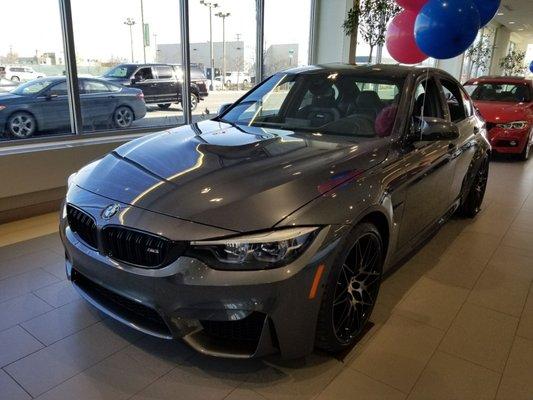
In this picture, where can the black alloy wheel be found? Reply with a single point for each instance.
(351, 291)
(472, 203)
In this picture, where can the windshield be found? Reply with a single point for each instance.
(501, 92)
(32, 87)
(329, 103)
(120, 71)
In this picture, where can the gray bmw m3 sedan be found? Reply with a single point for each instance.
(269, 228)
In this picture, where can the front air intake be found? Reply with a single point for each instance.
(83, 225)
(139, 248)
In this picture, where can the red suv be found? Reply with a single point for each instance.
(506, 103)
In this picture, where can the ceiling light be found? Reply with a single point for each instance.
(511, 22)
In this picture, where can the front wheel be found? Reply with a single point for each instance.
(194, 102)
(123, 117)
(15, 79)
(471, 205)
(21, 125)
(351, 290)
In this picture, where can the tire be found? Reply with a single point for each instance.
(351, 290)
(524, 155)
(21, 125)
(165, 106)
(194, 102)
(471, 204)
(123, 117)
(15, 79)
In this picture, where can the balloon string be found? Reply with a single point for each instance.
(424, 101)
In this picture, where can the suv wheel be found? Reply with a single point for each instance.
(194, 102)
(351, 289)
(165, 106)
(15, 79)
(21, 125)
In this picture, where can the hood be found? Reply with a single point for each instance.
(221, 175)
(499, 112)
(9, 96)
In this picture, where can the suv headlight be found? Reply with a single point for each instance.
(257, 251)
(513, 125)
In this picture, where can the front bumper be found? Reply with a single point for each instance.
(509, 141)
(238, 314)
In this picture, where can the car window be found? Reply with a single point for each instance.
(95, 87)
(164, 72)
(144, 73)
(499, 92)
(454, 100)
(120, 71)
(33, 87)
(58, 90)
(427, 100)
(329, 103)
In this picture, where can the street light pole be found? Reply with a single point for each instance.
(223, 16)
(142, 28)
(130, 22)
(212, 67)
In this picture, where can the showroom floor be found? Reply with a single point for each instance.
(455, 322)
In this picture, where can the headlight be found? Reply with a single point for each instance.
(70, 179)
(513, 125)
(258, 251)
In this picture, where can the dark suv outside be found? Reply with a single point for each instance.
(160, 83)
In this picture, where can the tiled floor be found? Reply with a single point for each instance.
(455, 322)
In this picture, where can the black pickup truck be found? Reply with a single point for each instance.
(160, 83)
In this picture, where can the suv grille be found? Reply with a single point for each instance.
(135, 247)
(83, 224)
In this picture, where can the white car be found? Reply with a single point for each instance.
(236, 77)
(21, 73)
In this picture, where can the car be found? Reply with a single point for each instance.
(160, 83)
(269, 228)
(198, 79)
(237, 78)
(506, 103)
(19, 73)
(42, 105)
(6, 85)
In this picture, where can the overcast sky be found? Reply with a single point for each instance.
(100, 33)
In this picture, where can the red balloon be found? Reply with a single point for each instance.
(400, 39)
(413, 5)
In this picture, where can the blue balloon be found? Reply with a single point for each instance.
(531, 67)
(446, 28)
(487, 10)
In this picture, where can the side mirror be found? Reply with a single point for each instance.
(50, 96)
(432, 129)
(133, 81)
(224, 107)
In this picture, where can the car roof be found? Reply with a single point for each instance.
(385, 70)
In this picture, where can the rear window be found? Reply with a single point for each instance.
(499, 92)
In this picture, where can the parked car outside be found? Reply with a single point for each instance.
(42, 105)
(237, 78)
(21, 73)
(6, 85)
(160, 83)
(198, 79)
(506, 103)
(269, 228)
